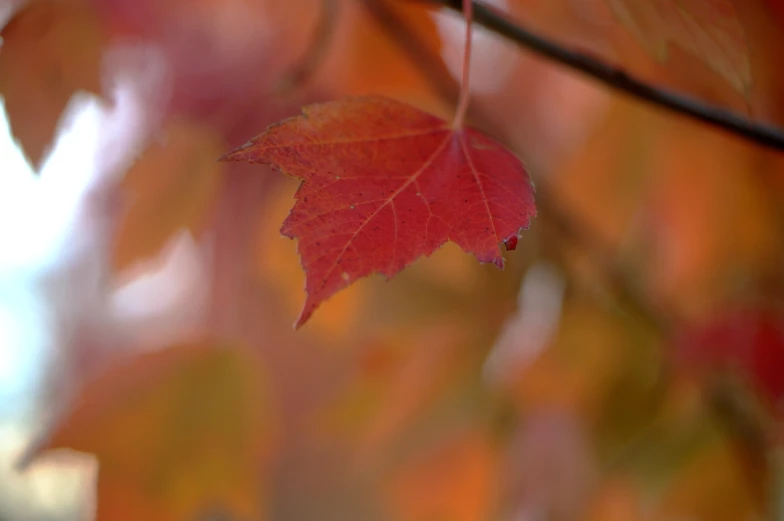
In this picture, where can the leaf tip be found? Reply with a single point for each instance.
(306, 313)
(230, 156)
(301, 321)
(238, 154)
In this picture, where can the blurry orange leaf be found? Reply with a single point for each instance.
(710, 215)
(617, 499)
(178, 433)
(51, 49)
(454, 481)
(708, 29)
(368, 60)
(173, 186)
(398, 378)
(579, 370)
(449, 268)
(383, 184)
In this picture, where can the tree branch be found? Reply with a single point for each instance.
(618, 80)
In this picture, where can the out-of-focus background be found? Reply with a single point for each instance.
(628, 364)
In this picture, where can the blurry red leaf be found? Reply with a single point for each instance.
(51, 49)
(749, 340)
(177, 433)
(708, 29)
(384, 183)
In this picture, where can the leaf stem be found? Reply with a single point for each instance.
(616, 79)
(465, 92)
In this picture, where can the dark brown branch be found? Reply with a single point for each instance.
(617, 79)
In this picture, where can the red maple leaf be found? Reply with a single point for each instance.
(384, 183)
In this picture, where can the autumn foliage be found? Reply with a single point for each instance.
(625, 363)
(384, 184)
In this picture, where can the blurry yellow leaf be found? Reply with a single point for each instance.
(578, 372)
(715, 486)
(173, 186)
(178, 433)
(51, 49)
(708, 29)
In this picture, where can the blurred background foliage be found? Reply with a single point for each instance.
(628, 364)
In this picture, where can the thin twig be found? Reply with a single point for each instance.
(617, 79)
(465, 87)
